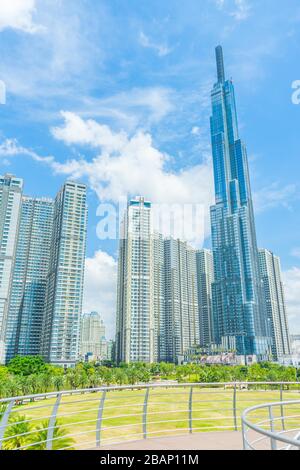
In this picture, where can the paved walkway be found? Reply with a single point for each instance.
(226, 440)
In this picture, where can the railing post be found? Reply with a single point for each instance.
(191, 410)
(4, 421)
(245, 443)
(99, 419)
(234, 408)
(145, 409)
(282, 408)
(52, 422)
(272, 427)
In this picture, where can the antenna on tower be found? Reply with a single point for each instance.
(220, 64)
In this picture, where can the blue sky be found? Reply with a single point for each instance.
(117, 94)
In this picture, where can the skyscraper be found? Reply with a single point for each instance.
(270, 272)
(238, 307)
(161, 324)
(135, 319)
(181, 299)
(26, 309)
(205, 277)
(92, 336)
(10, 210)
(63, 303)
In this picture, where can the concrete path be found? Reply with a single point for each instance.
(226, 440)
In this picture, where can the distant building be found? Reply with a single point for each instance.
(92, 337)
(135, 318)
(157, 302)
(270, 272)
(295, 344)
(181, 299)
(26, 310)
(111, 350)
(63, 303)
(162, 323)
(10, 213)
(205, 278)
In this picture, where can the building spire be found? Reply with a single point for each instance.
(220, 64)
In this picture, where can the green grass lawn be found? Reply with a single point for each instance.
(122, 416)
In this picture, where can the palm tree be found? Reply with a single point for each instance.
(60, 437)
(58, 382)
(17, 433)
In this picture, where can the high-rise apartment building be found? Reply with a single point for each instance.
(205, 278)
(10, 210)
(158, 293)
(238, 308)
(181, 299)
(63, 303)
(28, 289)
(135, 319)
(92, 336)
(270, 272)
(157, 306)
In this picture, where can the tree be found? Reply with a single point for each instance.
(61, 440)
(58, 382)
(18, 433)
(26, 365)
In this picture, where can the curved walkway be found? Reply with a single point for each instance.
(226, 440)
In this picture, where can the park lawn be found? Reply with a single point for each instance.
(122, 415)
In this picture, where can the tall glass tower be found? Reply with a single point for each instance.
(270, 271)
(10, 211)
(26, 309)
(238, 309)
(64, 291)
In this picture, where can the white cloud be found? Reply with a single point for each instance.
(274, 196)
(296, 252)
(133, 108)
(61, 62)
(161, 49)
(196, 130)
(11, 148)
(242, 10)
(18, 14)
(292, 292)
(78, 131)
(100, 288)
(131, 166)
(128, 166)
(239, 9)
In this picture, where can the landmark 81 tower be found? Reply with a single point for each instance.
(239, 315)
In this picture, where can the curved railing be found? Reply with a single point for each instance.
(93, 418)
(272, 426)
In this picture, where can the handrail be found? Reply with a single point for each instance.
(139, 386)
(109, 418)
(272, 434)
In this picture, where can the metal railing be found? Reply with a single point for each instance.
(93, 418)
(272, 426)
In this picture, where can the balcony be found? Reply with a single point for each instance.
(155, 416)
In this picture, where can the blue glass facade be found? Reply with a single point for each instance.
(26, 309)
(64, 291)
(239, 314)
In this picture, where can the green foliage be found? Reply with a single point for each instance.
(17, 433)
(4, 373)
(26, 365)
(61, 440)
(20, 433)
(30, 375)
